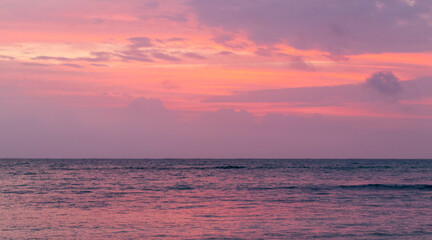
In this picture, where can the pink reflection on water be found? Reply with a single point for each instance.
(291, 202)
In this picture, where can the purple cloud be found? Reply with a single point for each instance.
(141, 47)
(376, 88)
(385, 83)
(63, 59)
(165, 57)
(145, 128)
(194, 56)
(7, 57)
(264, 52)
(179, 18)
(134, 51)
(329, 95)
(175, 39)
(95, 57)
(98, 65)
(338, 27)
(225, 53)
(229, 41)
(33, 64)
(72, 65)
(135, 56)
(140, 42)
(298, 63)
(148, 109)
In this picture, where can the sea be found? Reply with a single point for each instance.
(215, 199)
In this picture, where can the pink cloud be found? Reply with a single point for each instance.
(71, 72)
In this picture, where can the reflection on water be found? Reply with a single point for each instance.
(214, 199)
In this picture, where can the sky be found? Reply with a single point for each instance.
(216, 79)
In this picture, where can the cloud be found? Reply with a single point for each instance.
(226, 53)
(298, 63)
(141, 47)
(410, 2)
(329, 95)
(385, 83)
(72, 65)
(148, 110)
(295, 62)
(194, 56)
(135, 55)
(228, 119)
(179, 18)
(52, 58)
(134, 51)
(48, 126)
(98, 65)
(140, 42)
(165, 57)
(264, 52)
(336, 58)
(338, 27)
(7, 57)
(175, 39)
(95, 57)
(33, 64)
(229, 41)
(147, 129)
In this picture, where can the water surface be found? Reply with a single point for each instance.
(215, 199)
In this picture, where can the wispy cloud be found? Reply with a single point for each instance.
(375, 89)
(7, 57)
(95, 57)
(194, 56)
(165, 57)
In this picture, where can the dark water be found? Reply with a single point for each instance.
(215, 199)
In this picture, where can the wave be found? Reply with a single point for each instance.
(426, 187)
(374, 187)
(181, 187)
(228, 167)
(185, 168)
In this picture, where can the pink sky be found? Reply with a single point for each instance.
(226, 78)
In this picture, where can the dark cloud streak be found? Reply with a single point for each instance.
(378, 87)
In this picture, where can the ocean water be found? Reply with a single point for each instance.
(215, 199)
